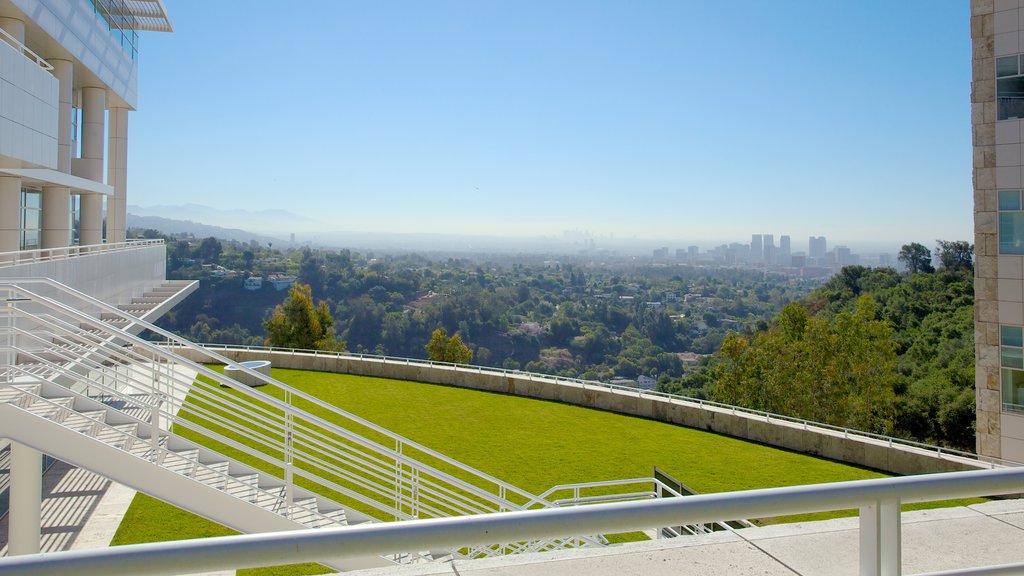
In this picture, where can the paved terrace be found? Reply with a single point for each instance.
(985, 534)
(82, 510)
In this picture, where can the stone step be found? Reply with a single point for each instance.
(84, 421)
(55, 409)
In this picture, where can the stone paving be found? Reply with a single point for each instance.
(980, 535)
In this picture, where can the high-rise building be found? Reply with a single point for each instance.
(785, 251)
(817, 247)
(756, 248)
(843, 256)
(997, 109)
(769, 248)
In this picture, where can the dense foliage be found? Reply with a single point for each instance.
(595, 318)
(872, 349)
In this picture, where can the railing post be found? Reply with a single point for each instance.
(881, 539)
(154, 427)
(289, 455)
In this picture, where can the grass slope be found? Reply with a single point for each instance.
(532, 444)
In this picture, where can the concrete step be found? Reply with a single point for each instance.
(182, 462)
(84, 421)
(119, 435)
(213, 474)
(243, 487)
(12, 392)
(56, 409)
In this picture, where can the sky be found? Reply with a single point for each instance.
(681, 120)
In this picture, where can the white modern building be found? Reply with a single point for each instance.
(997, 111)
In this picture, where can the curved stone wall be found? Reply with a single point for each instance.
(862, 451)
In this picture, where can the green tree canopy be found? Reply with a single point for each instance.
(840, 372)
(916, 258)
(297, 323)
(441, 348)
(955, 255)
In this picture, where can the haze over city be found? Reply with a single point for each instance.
(665, 120)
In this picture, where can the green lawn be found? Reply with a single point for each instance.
(532, 444)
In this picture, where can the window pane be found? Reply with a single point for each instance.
(1011, 232)
(1006, 66)
(1009, 199)
(1011, 335)
(1011, 357)
(1010, 98)
(1013, 387)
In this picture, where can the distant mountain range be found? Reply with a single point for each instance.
(268, 222)
(172, 226)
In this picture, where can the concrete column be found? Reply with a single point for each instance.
(94, 104)
(26, 500)
(10, 214)
(63, 71)
(56, 231)
(117, 175)
(56, 217)
(15, 28)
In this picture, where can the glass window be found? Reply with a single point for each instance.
(1011, 360)
(1011, 336)
(1009, 199)
(1010, 98)
(1006, 66)
(1011, 357)
(1013, 390)
(1011, 232)
(31, 219)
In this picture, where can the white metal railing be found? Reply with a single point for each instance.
(8, 259)
(938, 451)
(879, 529)
(24, 50)
(336, 454)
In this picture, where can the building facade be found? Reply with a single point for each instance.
(68, 81)
(997, 110)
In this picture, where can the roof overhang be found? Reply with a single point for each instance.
(150, 15)
(46, 177)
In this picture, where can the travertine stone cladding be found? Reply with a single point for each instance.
(987, 172)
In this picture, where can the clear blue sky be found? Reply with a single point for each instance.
(683, 119)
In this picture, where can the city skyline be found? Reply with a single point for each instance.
(530, 119)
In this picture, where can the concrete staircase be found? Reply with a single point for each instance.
(84, 389)
(112, 435)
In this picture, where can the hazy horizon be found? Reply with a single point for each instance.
(411, 241)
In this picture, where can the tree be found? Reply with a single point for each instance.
(296, 323)
(916, 258)
(955, 255)
(841, 372)
(441, 348)
(209, 250)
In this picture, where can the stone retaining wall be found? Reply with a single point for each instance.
(895, 459)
